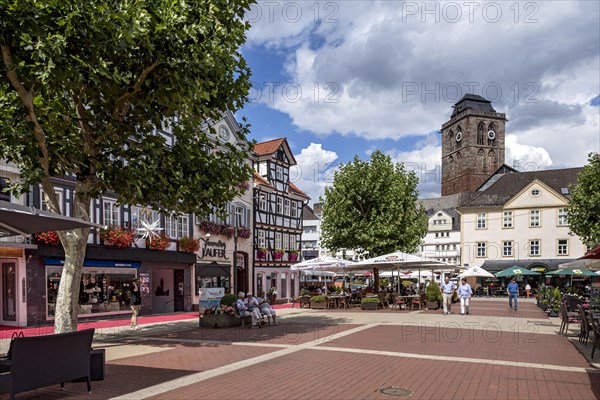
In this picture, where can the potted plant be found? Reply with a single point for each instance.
(278, 255)
(294, 255)
(369, 303)
(261, 253)
(160, 243)
(556, 300)
(188, 245)
(50, 238)
(434, 296)
(317, 302)
(117, 237)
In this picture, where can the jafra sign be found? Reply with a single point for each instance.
(212, 249)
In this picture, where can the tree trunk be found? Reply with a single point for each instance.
(375, 279)
(74, 243)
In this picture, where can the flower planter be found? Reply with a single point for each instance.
(432, 305)
(261, 255)
(293, 256)
(318, 305)
(369, 306)
(277, 256)
(219, 321)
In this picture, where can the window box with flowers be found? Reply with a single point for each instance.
(219, 317)
(117, 237)
(188, 245)
(294, 255)
(278, 255)
(160, 243)
(261, 253)
(50, 238)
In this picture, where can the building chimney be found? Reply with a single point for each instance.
(317, 209)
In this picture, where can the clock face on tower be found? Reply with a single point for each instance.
(458, 136)
(491, 135)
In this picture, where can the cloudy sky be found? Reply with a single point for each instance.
(340, 79)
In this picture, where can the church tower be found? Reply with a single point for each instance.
(472, 145)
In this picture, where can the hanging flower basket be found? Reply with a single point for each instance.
(188, 245)
(50, 238)
(117, 237)
(160, 243)
(278, 255)
(261, 254)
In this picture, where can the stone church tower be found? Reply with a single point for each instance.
(472, 145)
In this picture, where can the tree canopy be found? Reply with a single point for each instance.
(583, 211)
(372, 205)
(87, 83)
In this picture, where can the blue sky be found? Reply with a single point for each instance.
(340, 79)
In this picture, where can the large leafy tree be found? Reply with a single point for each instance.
(86, 83)
(583, 211)
(372, 205)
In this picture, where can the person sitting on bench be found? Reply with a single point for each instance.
(266, 309)
(245, 311)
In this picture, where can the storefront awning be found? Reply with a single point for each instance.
(96, 263)
(213, 269)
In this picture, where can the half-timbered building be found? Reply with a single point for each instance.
(277, 219)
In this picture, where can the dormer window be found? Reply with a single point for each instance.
(279, 154)
(535, 192)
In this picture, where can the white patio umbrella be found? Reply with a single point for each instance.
(476, 271)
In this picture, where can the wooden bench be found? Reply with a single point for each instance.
(40, 361)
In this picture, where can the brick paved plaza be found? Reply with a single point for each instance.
(347, 354)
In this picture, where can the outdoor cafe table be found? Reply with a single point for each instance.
(408, 299)
(337, 299)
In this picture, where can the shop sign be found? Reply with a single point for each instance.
(539, 268)
(211, 297)
(96, 263)
(214, 249)
(11, 252)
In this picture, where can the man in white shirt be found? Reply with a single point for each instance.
(447, 292)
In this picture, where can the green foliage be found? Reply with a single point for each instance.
(556, 299)
(369, 300)
(318, 299)
(338, 289)
(304, 292)
(583, 211)
(433, 292)
(372, 205)
(229, 299)
(99, 77)
(384, 282)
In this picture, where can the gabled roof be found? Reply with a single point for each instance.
(510, 184)
(309, 214)
(293, 189)
(268, 147)
(271, 146)
(259, 180)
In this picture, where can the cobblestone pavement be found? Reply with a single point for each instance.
(494, 353)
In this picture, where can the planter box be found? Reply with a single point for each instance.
(219, 321)
(319, 305)
(432, 305)
(553, 314)
(293, 256)
(369, 306)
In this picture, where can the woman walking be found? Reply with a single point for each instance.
(135, 299)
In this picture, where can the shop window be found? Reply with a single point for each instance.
(283, 289)
(102, 290)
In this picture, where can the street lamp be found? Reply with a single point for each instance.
(235, 243)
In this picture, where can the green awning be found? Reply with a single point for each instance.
(514, 271)
(572, 272)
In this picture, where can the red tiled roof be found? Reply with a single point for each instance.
(268, 147)
(294, 189)
(259, 180)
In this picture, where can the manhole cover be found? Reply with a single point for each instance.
(395, 391)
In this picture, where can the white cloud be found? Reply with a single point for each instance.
(314, 170)
(390, 70)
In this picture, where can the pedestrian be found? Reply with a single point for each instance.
(135, 299)
(464, 293)
(266, 309)
(513, 293)
(527, 289)
(246, 309)
(447, 289)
